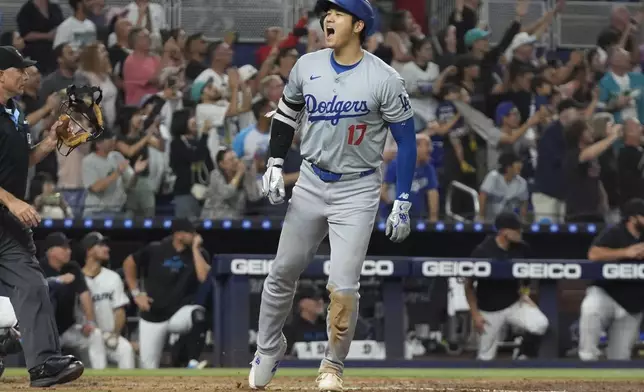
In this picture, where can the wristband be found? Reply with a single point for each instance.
(135, 292)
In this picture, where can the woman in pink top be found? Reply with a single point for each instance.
(141, 68)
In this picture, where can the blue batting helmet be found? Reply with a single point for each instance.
(361, 9)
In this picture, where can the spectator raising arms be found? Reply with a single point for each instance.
(95, 66)
(586, 199)
(191, 163)
(134, 143)
(419, 75)
(121, 49)
(195, 53)
(548, 198)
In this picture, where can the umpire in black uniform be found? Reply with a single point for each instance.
(20, 272)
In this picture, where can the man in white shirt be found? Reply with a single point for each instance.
(77, 30)
(419, 75)
(109, 298)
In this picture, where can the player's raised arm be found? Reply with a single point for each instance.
(397, 111)
(282, 132)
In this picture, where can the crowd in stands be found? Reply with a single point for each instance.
(554, 140)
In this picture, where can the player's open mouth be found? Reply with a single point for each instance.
(330, 32)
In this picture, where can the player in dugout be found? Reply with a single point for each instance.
(498, 303)
(171, 272)
(109, 298)
(614, 305)
(67, 289)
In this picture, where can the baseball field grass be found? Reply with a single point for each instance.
(427, 380)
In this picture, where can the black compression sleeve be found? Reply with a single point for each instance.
(283, 128)
(281, 138)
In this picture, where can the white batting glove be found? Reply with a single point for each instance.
(398, 222)
(273, 182)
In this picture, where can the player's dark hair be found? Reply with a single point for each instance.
(397, 22)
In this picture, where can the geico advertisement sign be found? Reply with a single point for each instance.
(467, 269)
(483, 269)
(546, 270)
(623, 271)
(263, 267)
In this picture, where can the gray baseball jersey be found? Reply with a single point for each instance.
(347, 113)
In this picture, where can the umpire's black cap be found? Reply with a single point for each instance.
(507, 220)
(633, 207)
(10, 57)
(55, 239)
(183, 225)
(92, 239)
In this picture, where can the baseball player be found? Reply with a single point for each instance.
(109, 298)
(72, 299)
(498, 303)
(352, 100)
(614, 306)
(172, 271)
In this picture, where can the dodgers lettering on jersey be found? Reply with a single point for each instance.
(347, 114)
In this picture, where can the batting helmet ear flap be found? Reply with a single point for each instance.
(322, 21)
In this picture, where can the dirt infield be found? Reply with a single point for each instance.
(366, 384)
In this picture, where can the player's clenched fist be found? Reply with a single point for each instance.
(273, 182)
(398, 223)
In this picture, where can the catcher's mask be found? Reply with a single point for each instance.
(82, 108)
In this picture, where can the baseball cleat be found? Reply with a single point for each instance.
(263, 367)
(329, 382)
(56, 370)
